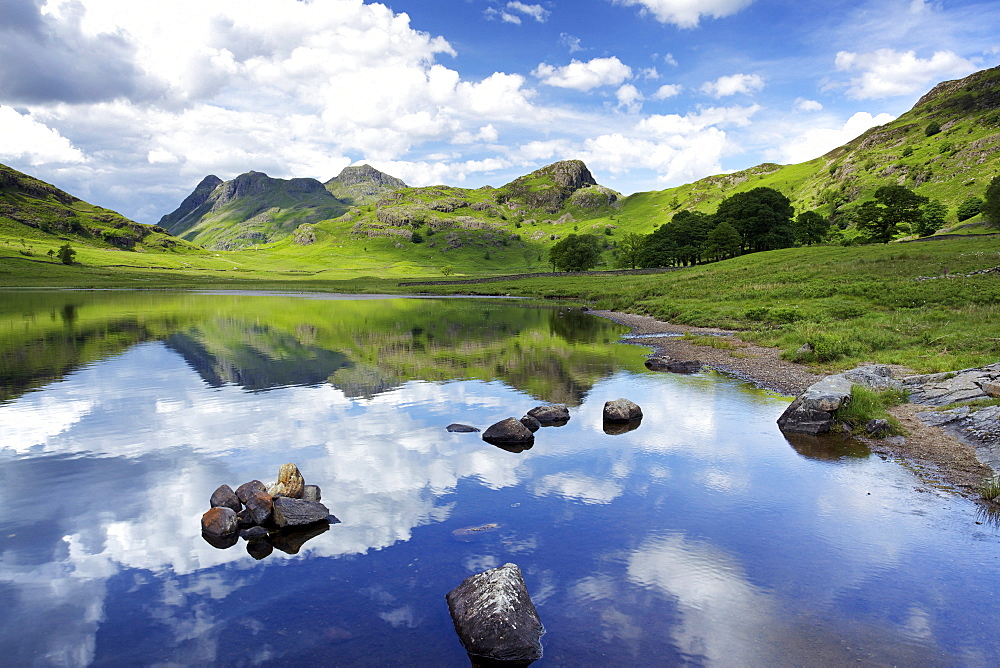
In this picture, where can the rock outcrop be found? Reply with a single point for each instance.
(494, 616)
(814, 411)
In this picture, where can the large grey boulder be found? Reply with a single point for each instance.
(550, 415)
(508, 432)
(621, 410)
(494, 616)
(296, 512)
(814, 411)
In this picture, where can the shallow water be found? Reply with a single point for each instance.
(703, 537)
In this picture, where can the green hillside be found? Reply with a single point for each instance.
(950, 165)
(37, 217)
(251, 209)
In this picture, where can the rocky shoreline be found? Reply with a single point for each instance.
(935, 454)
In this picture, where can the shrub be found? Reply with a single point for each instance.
(969, 207)
(907, 152)
(932, 128)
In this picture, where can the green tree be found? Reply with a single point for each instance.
(932, 128)
(933, 218)
(66, 254)
(630, 247)
(895, 209)
(970, 207)
(577, 252)
(810, 228)
(991, 203)
(762, 216)
(723, 242)
(447, 270)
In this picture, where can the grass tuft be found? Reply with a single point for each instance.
(867, 404)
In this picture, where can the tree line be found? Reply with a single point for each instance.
(763, 219)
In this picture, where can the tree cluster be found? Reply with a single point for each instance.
(756, 220)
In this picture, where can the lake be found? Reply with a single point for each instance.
(703, 537)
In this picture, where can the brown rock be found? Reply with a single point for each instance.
(219, 522)
(290, 483)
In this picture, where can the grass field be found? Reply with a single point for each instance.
(904, 303)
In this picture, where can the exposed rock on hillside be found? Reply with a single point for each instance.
(362, 184)
(549, 187)
(253, 208)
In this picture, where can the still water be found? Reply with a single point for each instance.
(703, 537)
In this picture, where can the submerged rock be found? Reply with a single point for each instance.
(461, 428)
(556, 414)
(494, 616)
(508, 432)
(621, 410)
(219, 522)
(672, 365)
(225, 497)
(473, 533)
(290, 483)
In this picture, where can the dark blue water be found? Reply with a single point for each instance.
(703, 537)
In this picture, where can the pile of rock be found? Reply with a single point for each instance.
(284, 514)
(665, 363)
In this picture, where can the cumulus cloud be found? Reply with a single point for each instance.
(686, 13)
(666, 91)
(733, 84)
(629, 98)
(23, 138)
(802, 104)
(816, 141)
(584, 76)
(888, 73)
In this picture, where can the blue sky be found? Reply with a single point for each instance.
(129, 105)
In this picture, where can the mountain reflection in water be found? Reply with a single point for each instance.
(702, 536)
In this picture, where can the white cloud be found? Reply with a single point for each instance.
(888, 73)
(24, 138)
(816, 141)
(536, 12)
(570, 42)
(650, 74)
(666, 91)
(585, 76)
(630, 98)
(733, 84)
(686, 13)
(802, 104)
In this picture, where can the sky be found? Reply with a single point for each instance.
(128, 105)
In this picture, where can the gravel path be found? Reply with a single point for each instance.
(941, 461)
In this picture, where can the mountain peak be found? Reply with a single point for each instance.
(976, 92)
(362, 184)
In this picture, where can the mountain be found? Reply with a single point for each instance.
(33, 209)
(560, 193)
(251, 209)
(362, 184)
(946, 147)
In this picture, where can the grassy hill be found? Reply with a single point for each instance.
(251, 209)
(950, 165)
(37, 217)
